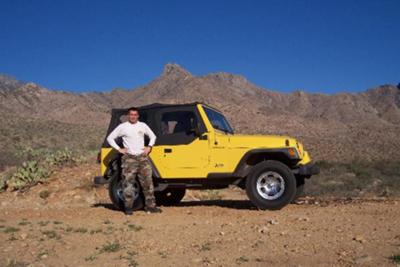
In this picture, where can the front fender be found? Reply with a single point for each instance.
(281, 154)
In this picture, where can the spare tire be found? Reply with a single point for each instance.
(117, 196)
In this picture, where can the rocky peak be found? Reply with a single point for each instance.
(383, 90)
(175, 71)
(9, 83)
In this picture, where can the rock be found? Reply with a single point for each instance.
(363, 259)
(23, 236)
(221, 233)
(198, 260)
(263, 230)
(304, 219)
(273, 222)
(359, 238)
(342, 253)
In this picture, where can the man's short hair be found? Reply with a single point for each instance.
(132, 109)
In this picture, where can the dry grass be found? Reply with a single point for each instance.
(356, 179)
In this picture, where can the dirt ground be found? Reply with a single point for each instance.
(67, 222)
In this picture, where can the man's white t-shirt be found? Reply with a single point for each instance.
(132, 136)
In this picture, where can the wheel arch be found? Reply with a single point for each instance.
(255, 156)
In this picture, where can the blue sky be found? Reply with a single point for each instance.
(316, 46)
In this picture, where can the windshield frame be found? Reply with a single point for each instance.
(229, 129)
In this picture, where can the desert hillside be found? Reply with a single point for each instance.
(340, 127)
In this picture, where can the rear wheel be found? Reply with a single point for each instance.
(116, 193)
(271, 185)
(169, 197)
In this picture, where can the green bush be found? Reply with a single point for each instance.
(3, 183)
(61, 158)
(27, 153)
(37, 166)
(29, 174)
(360, 168)
(358, 178)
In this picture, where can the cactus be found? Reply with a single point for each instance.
(61, 158)
(29, 174)
(38, 167)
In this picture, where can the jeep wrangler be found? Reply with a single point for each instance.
(196, 148)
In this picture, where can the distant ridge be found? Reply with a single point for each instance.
(334, 127)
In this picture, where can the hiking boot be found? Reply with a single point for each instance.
(152, 210)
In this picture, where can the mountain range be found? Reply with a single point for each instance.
(338, 127)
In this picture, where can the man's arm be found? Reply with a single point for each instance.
(112, 136)
(150, 134)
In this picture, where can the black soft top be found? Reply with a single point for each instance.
(146, 114)
(160, 105)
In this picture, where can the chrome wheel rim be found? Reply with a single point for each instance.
(270, 185)
(120, 191)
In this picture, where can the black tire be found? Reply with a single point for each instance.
(114, 190)
(169, 197)
(278, 171)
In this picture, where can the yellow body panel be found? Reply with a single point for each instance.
(218, 153)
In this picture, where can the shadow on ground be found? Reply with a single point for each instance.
(232, 204)
(224, 203)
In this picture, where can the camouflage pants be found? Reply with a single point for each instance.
(139, 165)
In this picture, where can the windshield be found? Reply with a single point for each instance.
(218, 121)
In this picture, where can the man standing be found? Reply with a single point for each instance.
(135, 159)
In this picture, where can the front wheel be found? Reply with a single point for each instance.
(271, 185)
(116, 193)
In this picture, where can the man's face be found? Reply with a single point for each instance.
(133, 116)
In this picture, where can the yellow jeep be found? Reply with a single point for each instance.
(196, 148)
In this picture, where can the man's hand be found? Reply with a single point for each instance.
(123, 150)
(147, 150)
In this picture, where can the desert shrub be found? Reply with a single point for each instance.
(26, 153)
(323, 164)
(3, 183)
(360, 168)
(29, 174)
(391, 168)
(358, 178)
(37, 167)
(62, 157)
(44, 194)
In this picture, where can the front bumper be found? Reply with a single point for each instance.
(307, 170)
